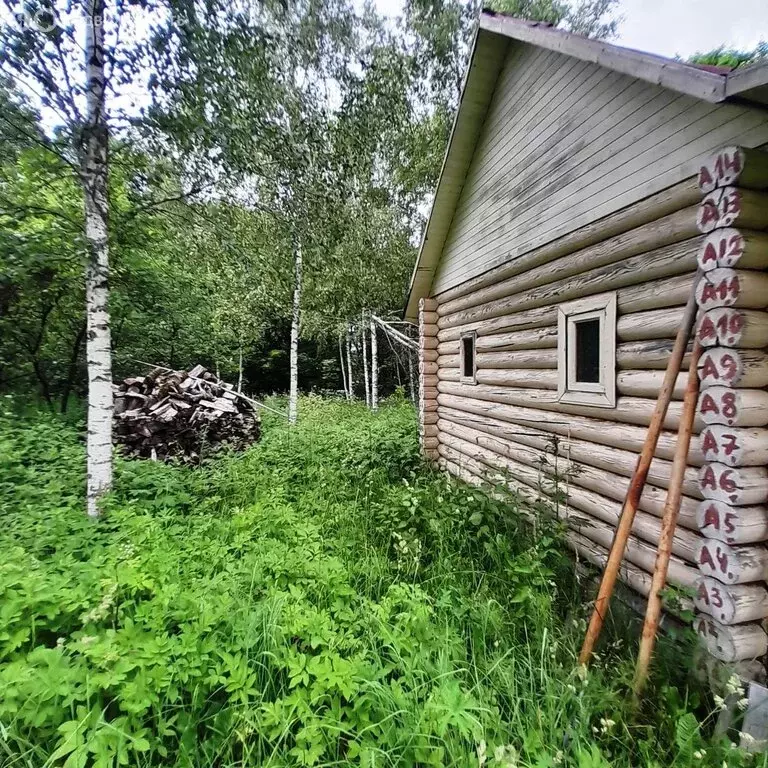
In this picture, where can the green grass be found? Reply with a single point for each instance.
(322, 599)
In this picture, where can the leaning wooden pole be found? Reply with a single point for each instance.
(637, 483)
(668, 522)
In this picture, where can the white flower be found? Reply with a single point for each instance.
(558, 758)
(747, 739)
(742, 704)
(719, 702)
(698, 754)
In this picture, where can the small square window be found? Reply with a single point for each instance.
(467, 359)
(586, 351)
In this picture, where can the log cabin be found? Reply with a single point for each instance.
(588, 191)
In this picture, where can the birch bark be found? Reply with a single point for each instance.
(374, 369)
(293, 397)
(366, 380)
(349, 365)
(94, 161)
(343, 369)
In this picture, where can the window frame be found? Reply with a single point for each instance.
(469, 335)
(601, 394)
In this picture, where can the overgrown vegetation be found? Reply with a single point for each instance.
(320, 600)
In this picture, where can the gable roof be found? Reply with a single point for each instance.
(489, 48)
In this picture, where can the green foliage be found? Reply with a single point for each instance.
(731, 57)
(319, 600)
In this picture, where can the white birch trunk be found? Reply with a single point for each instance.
(293, 396)
(350, 379)
(343, 369)
(374, 369)
(240, 368)
(366, 380)
(93, 169)
(411, 376)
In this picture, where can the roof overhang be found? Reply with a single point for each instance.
(486, 60)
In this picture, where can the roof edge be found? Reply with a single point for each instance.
(659, 70)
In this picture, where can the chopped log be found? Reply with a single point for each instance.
(733, 368)
(729, 644)
(734, 166)
(734, 249)
(731, 603)
(735, 447)
(744, 328)
(732, 564)
(733, 207)
(725, 287)
(734, 485)
(732, 524)
(733, 407)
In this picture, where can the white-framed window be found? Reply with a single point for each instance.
(468, 358)
(586, 351)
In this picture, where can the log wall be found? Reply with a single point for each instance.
(510, 426)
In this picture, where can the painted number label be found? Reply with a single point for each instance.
(714, 560)
(721, 326)
(718, 444)
(721, 169)
(722, 248)
(717, 520)
(720, 366)
(720, 208)
(719, 405)
(718, 288)
(720, 482)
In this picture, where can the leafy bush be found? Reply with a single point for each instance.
(320, 600)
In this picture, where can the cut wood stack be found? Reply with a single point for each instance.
(181, 415)
(732, 294)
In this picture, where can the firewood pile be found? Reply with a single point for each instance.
(181, 415)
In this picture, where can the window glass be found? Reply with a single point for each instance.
(588, 350)
(468, 356)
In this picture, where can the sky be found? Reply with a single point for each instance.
(670, 27)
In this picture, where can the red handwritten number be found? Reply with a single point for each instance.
(731, 444)
(726, 481)
(729, 405)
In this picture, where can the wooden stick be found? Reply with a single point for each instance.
(668, 524)
(638, 479)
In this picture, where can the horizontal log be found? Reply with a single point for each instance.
(427, 406)
(595, 430)
(734, 485)
(428, 342)
(732, 524)
(574, 459)
(529, 358)
(731, 407)
(648, 354)
(731, 603)
(428, 318)
(670, 292)
(730, 644)
(428, 355)
(427, 305)
(430, 455)
(503, 472)
(429, 443)
(663, 262)
(734, 446)
(648, 384)
(428, 393)
(734, 166)
(535, 379)
(682, 195)
(628, 410)
(650, 325)
(426, 368)
(725, 287)
(535, 338)
(732, 564)
(732, 207)
(724, 366)
(743, 328)
(427, 417)
(734, 249)
(664, 232)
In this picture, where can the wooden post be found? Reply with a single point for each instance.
(668, 523)
(374, 368)
(638, 480)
